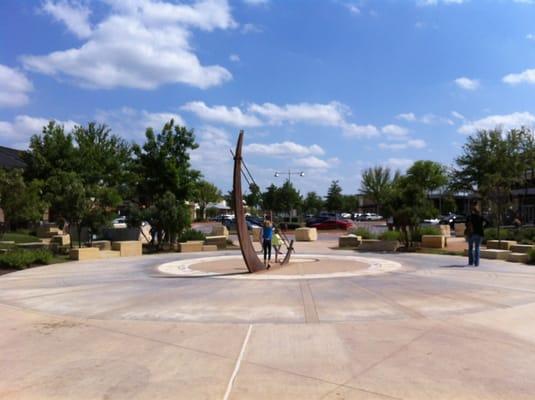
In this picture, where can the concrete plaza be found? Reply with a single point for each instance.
(121, 329)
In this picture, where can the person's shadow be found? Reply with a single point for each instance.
(455, 266)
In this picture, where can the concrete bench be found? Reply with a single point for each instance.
(209, 247)
(191, 246)
(84, 253)
(129, 248)
(518, 257)
(495, 254)
(521, 248)
(378, 245)
(47, 231)
(306, 234)
(101, 244)
(434, 241)
(349, 241)
(219, 241)
(500, 245)
(459, 229)
(61, 240)
(219, 230)
(256, 231)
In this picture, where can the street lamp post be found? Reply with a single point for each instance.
(289, 173)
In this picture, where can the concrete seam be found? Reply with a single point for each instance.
(238, 363)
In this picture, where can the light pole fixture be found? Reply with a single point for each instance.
(289, 173)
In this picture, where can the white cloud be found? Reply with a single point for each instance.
(228, 115)
(131, 124)
(530, 36)
(142, 44)
(18, 132)
(331, 114)
(410, 117)
(256, 2)
(409, 144)
(353, 9)
(74, 15)
(312, 163)
(527, 76)
(436, 2)
(457, 115)
(283, 149)
(399, 163)
(250, 28)
(359, 131)
(467, 83)
(507, 121)
(394, 130)
(14, 87)
(234, 58)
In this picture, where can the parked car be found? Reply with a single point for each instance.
(372, 217)
(356, 216)
(333, 223)
(231, 224)
(119, 222)
(452, 219)
(346, 215)
(314, 220)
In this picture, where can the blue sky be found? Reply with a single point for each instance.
(326, 87)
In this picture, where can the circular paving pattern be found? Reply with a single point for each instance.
(310, 266)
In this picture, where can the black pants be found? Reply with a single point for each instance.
(266, 245)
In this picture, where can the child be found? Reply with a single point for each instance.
(276, 242)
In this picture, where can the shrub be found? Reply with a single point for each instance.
(364, 233)
(191, 234)
(390, 235)
(425, 230)
(20, 258)
(492, 234)
(531, 256)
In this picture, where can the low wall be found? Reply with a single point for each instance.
(378, 245)
(130, 248)
(434, 241)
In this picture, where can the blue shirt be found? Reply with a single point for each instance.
(267, 232)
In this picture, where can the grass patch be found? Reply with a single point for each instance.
(19, 237)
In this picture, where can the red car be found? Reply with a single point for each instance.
(333, 224)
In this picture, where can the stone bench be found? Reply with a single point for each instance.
(434, 241)
(378, 245)
(47, 231)
(219, 230)
(191, 246)
(500, 244)
(306, 234)
(61, 240)
(209, 247)
(84, 253)
(459, 229)
(101, 244)
(518, 257)
(521, 248)
(349, 241)
(219, 241)
(495, 254)
(256, 231)
(129, 248)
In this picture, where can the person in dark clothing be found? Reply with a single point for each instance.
(475, 223)
(267, 235)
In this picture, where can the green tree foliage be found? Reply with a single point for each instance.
(254, 197)
(206, 193)
(21, 201)
(377, 183)
(350, 202)
(313, 203)
(168, 218)
(163, 165)
(334, 200)
(270, 199)
(493, 163)
(289, 197)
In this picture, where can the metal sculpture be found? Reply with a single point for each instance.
(252, 261)
(248, 252)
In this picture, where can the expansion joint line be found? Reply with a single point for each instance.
(238, 363)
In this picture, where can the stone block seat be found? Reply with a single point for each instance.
(434, 241)
(209, 247)
(495, 254)
(128, 248)
(500, 244)
(47, 231)
(256, 231)
(518, 257)
(219, 241)
(61, 240)
(101, 244)
(459, 229)
(445, 230)
(84, 253)
(521, 248)
(191, 246)
(378, 245)
(219, 230)
(306, 234)
(349, 241)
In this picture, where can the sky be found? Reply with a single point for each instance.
(324, 87)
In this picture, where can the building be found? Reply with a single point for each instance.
(11, 158)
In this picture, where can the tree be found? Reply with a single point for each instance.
(376, 184)
(313, 203)
(350, 202)
(288, 198)
(254, 197)
(493, 163)
(206, 193)
(270, 199)
(429, 175)
(334, 200)
(21, 201)
(162, 164)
